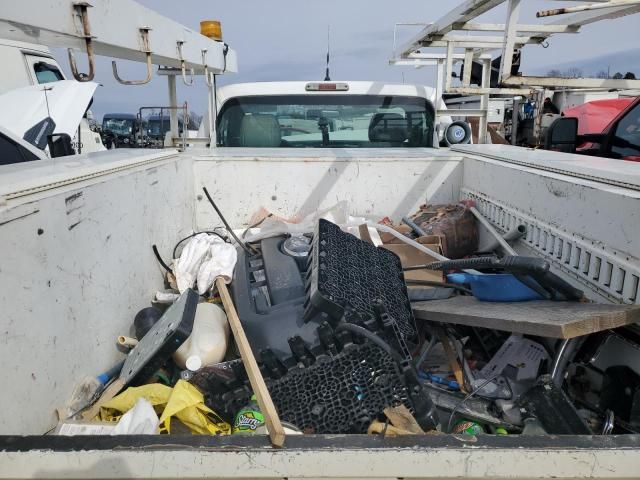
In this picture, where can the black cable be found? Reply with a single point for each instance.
(164, 265)
(225, 50)
(250, 250)
(432, 283)
(257, 224)
(460, 264)
(462, 402)
(363, 332)
(428, 266)
(175, 249)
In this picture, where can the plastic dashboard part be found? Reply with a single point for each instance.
(164, 338)
(277, 295)
(269, 293)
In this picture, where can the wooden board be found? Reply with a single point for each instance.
(542, 318)
(268, 409)
(111, 391)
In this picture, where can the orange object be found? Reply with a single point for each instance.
(211, 29)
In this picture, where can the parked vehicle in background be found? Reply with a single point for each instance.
(605, 128)
(609, 128)
(332, 115)
(29, 65)
(156, 128)
(121, 130)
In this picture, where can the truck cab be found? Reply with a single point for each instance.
(120, 130)
(619, 139)
(29, 65)
(35, 62)
(328, 115)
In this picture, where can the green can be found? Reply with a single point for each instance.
(468, 427)
(249, 419)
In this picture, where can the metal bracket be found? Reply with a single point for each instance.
(183, 65)
(144, 34)
(81, 10)
(206, 69)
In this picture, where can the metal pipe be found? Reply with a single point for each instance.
(403, 238)
(485, 223)
(127, 342)
(144, 34)
(414, 244)
(414, 226)
(511, 236)
(183, 66)
(561, 359)
(81, 11)
(584, 8)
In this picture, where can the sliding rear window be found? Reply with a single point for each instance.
(329, 121)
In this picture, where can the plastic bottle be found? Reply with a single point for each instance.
(207, 343)
(249, 419)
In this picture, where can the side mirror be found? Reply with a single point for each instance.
(562, 135)
(60, 145)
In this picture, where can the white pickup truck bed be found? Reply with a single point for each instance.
(76, 236)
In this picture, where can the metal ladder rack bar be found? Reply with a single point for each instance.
(114, 31)
(456, 31)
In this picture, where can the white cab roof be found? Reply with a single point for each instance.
(298, 88)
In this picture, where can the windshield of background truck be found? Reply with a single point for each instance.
(626, 140)
(326, 121)
(158, 127)
(118, 126)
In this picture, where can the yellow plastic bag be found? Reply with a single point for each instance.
(187, 405)
(184, 402)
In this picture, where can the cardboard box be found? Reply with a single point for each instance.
(410, 257)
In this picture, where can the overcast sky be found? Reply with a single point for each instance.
(287, 40)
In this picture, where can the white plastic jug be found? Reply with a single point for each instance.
(207, 343)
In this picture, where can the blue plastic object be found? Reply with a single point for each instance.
(439, 380)
(495, 287)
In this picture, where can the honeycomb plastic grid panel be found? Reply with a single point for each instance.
(338, 394)
(601, 270)
(352, 272)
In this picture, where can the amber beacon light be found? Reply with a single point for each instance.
(211, 29)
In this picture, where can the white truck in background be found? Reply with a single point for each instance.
(357, 114)
(27, 70)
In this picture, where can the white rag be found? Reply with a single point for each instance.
(274, 226)
(140, 420)
(203, 259)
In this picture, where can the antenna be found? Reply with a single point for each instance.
(327, 78)
(46, 99)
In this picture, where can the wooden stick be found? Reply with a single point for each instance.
(111, 391)
(452, 357)
(276, 431)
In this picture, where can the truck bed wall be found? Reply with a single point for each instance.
(587, 230)
(76, 266)
(294, 184)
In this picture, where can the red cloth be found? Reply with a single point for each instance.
(595, 116)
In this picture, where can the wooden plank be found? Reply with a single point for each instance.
(401, 418)
(268, 409)
(454, 362)
(111, 391)
(540, 317)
